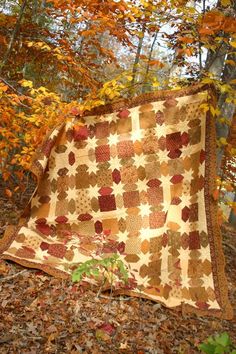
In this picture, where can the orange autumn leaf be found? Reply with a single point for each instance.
(205, 31)
(8, 193)
(6, 175)
(4, 88)
(186, 39)
(156, 62)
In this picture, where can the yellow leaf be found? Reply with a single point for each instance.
(144, 3)
(233, 44)
(223, 141)
(46, 47)
(204, 107)
(99, 102)
(230, 62)
(129, 78)
(214, 111)
(156, 84)
(140, 34)
(225, 3)
(132, 19)
(225, 88)
(207, 80)
(26, 83)
(108, 91)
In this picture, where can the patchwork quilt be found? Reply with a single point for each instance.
(140, 172)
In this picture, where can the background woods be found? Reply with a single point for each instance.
(58, 58)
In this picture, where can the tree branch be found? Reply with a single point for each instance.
(149, 59)
(16, 91)
(14, 275)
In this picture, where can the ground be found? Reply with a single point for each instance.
(41, 314)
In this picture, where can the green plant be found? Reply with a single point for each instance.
(107, 270)
(219, 344)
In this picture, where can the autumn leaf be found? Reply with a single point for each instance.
(26, 83)
(108, 328)
(157, 63)
(225, 3)
(3, 88)
(186, 39)
(75, 111)
(8, 193)
(4, 269)
(101, 335)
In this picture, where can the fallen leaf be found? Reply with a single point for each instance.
(102, 335)
(108, 328)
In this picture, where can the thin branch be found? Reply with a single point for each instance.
(12, 87)
(200, 54)
(14, 275)
(204, 6)
(229, 245)
(16, 91)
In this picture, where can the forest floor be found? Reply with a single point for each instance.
(41, 314)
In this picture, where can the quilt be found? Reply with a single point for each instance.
(140, 172)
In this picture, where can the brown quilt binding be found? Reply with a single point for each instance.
(218, 262)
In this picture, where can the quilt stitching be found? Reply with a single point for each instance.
(140, 175)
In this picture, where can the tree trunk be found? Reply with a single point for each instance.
(145, 88)
(137, 57)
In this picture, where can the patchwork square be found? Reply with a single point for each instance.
(133, 224)
(125, 149)
(107, 202)
(139, 177)
(194, 240)
(102, 153)
(102, 130)
(131, 199)
(157, 219)
(147, 120)
(173, 141)
(124, 126)
(155, 196)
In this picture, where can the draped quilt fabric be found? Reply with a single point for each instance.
(140, 171)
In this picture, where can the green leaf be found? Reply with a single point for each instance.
(220, 350)
(207, 348)
(95, 272)
(223, 339)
